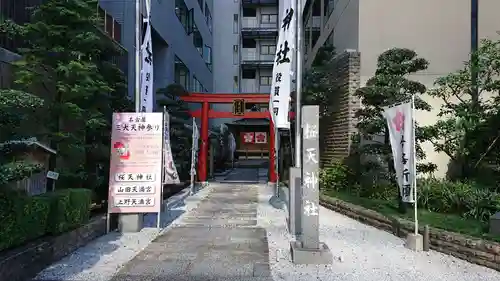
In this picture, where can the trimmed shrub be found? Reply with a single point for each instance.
(70, 208)
(464, 198)
(334, 177)
(22, 218)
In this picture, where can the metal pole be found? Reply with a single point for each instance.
(298, 91)
(474, 32)
(138, 24)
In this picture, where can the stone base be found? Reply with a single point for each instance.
(302, 255)
(130, 222)
(495, 224)
(415, 242)
(271, 184)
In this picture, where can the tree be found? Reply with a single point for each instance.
(19, 113)
(320, 82)
(180, 120)
(389, 86)
(62, 62)
(469, 121)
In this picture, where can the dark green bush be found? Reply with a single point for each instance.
(335, 177)
(22, 218)
(464, 198)
(70, 208)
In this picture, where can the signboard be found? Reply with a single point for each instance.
(260, 137)
(310, 176)
(135, 182)
(239, 107)
(248, 137)
(52, 175)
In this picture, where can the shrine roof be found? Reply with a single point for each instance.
(250, 122)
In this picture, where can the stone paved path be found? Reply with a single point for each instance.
(219, 240)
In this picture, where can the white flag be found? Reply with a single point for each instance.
(147, 90)
(170, 175)
(400, 121)
(194, 148)
(279, 102)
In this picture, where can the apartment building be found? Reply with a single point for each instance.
(439, 31)
(182, 41)
(245, 39)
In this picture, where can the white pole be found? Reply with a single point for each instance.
(138, 24)
(298, 94)
(414, 163)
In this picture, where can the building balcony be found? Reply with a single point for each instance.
(252, 86)
(259, 3)
(252, 28)
(251, 58)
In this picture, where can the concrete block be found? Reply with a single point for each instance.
(495, 224)
(301, 255)
(415, 242)
(130, 222)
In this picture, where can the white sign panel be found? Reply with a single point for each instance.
(400, 121)
(279, 103)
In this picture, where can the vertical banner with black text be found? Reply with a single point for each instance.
(279, 103)
(146, 103)
(400, 121)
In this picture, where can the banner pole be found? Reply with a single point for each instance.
(414, 163)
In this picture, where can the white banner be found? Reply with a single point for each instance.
(147, 90)
(279, 103)
(400, 121)
(170, 175)
(194, 149)
(232, 146)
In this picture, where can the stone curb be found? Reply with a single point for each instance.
(26, 262)
(474, 250)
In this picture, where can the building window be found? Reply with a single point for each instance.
(249, 43)
(200, 2)
(197, 86)
(208, 17)
(181, 73)
(235, 24)
(235, 84)
(184, 15)
(249, 74)
(249, 12)
(269, 18)
(197, 40)
(268, 49)
(207, 55)
(316, 9)
(266, 80)
(235, 54)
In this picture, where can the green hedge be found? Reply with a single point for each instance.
(466, 199)
(24, 218)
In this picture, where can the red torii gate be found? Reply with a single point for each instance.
(205, 113)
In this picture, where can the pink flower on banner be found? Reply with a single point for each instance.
(399, 121)
(248, 137)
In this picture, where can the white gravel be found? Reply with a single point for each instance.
(360, 253)
(103, 257)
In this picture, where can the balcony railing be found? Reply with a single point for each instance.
(253, 23)
(252, 86)
(260, 2)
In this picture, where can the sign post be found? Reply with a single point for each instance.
(135, 181)
(308, 249)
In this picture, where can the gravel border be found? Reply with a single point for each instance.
(360, 253)
(103, 257)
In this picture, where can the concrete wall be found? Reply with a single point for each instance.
(169, 40)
